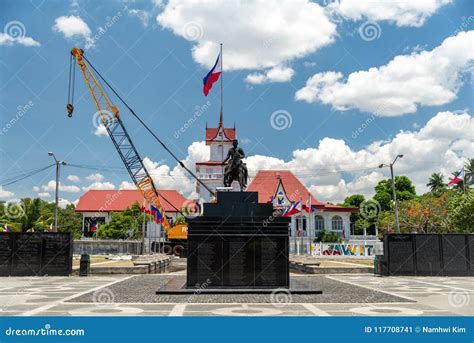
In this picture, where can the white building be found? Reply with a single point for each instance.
(211, 172)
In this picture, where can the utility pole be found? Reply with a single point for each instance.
(58, 167)
(397, 223)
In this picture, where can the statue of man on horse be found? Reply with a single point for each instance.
(236, 168)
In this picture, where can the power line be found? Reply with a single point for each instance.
(16, 179)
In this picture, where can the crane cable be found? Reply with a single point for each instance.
(149, 130)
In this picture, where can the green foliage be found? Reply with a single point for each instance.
(123, 225)
(328, 237)
(436, 184)
(461, 211)
(180, 220)
(33, 215)
(384, 194)
(354, 200)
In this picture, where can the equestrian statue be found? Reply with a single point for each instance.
(236, 168)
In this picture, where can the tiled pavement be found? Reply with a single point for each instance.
(356, 295)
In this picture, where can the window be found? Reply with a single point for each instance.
(318, 223)
(337, 223)
(301, 226)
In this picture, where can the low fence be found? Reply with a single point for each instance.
(360, 249)
(35, 254)
(428, 255)
(106, 247)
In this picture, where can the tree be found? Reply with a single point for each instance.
(70, 221)
(436, 183)
(424, 214)
(356, 200)
(123, 225)
(461, 211)
(403, 187)
(469, 172)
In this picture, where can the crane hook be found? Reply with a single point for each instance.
(70, 109)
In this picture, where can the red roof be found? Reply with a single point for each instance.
(266, 183)
(211, 133)
(96, 200)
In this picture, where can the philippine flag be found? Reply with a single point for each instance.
(457, 179)
(212, 76)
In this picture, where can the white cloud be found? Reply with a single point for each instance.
(143, 15)
(5, 194)
(44, 195)
(127, 185)
(6, 39)
(276, 74)
(333, 170)
(51, 186)
(62, 203)
(442, 145)
(403, 13)
(258, 34)
(177, 178)
(100, 131)
(427, 78)
(95, 177)
(73, 27)
(36, 189)
(73, 178)
(99, 185)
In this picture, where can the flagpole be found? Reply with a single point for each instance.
(222, 87)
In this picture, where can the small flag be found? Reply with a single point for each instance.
(458, 178)
(212, 76)
(295, 208)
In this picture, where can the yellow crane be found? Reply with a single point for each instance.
(109, 116)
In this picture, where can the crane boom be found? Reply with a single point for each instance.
(109, 116)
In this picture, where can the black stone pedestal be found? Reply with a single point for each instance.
(237, 243)
(236, 246)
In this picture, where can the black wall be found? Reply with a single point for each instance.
(35, 254)
(428, 254)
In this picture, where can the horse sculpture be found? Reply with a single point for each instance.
(236, 169)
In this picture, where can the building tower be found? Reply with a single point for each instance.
(211, 172)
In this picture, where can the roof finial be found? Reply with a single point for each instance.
(221, 121)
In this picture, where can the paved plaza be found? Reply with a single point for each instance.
(353, 295)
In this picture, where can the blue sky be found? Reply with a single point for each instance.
(158, 65)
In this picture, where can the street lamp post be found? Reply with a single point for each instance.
(397, 223)
(58, 166)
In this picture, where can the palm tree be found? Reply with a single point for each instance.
(436, 183)
(469, 172)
